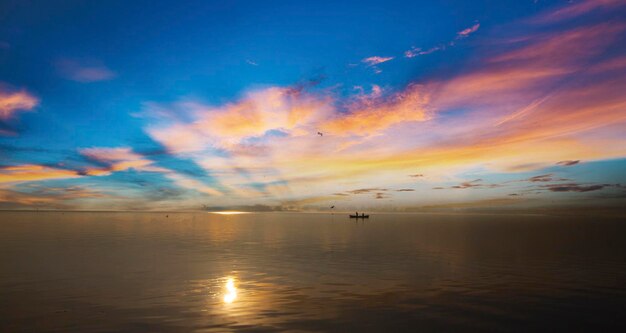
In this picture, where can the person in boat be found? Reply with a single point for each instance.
(357, 213)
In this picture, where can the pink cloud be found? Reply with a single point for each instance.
(371, 61)
(415, 51)
(117, 159)
(573, 10)
(12, 102)
(468, 31)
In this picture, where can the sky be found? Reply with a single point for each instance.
(308, 105)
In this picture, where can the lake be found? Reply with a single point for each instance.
(269, 272)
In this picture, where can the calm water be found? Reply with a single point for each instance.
(145, 272)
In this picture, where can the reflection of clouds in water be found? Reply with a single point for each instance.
(231, 291)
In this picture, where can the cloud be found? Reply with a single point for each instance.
(381, 195)
(466, 32)
(573, 10)
(84, 71)
(48, 197)
(123, 158)
(371, 61)
(552, 110)
(116, 159)
(12, 102)
(405, 190)
(193, 184)
(418, 51)
(516, 105)
(573, 188)
(367, 190)
(374, 116)
(541, 178)
(107, 160)
(32, 172)
(257, 113)
(476, 183)
(568, 163)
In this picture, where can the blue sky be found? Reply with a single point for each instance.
(162, 105)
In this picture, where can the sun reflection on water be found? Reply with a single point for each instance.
(231, 291)
(229, 212)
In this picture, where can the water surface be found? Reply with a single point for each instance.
(267, 272)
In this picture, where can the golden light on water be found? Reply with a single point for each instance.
(231, 291)
(229, 212)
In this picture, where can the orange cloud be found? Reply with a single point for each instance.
(280, 109)
(12, 102)
(545, 99)
(31, 172)
(365, 118)
(116, 159)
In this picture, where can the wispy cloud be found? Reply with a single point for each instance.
(568, 163)
(13, 101)
(520, 106)
(574, 187)
(32, 172)
(70, 197)
(375, 60)
(541, 178)
(116, 159)
(467, 31)
(271, 134)
(575, 9)
(367, 190)
(418, 51)
(84, 71)
(476, 183)
(372, 62)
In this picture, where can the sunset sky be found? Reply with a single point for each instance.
(304, 105)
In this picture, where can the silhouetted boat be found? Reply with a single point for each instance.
(362, 216)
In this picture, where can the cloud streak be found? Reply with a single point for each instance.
(418, 51)
(84, 71)
(375, 60)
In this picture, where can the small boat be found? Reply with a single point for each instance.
(362, 216)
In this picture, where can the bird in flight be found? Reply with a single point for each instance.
(320, 133)
(331, 207)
